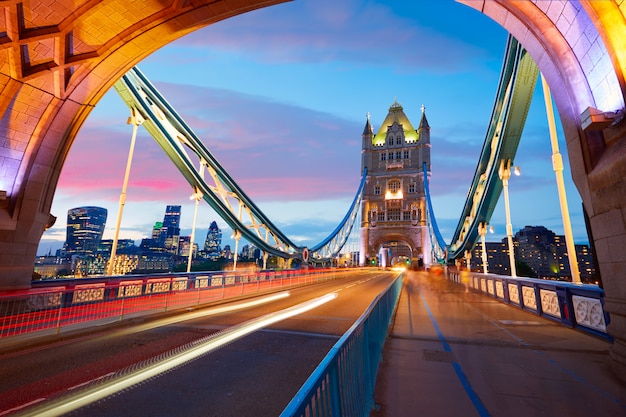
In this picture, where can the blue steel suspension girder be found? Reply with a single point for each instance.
(171, 133)
(515, 89)
(131, 93)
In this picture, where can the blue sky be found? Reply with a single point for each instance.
(280, 97)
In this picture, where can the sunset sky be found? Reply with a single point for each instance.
(280, 97)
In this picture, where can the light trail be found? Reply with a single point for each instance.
(77, 400)
(204, 313)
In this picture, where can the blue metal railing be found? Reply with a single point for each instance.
(343, 383)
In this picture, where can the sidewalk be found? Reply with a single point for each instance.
(452, 353)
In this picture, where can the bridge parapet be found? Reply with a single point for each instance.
(579, 306)
(56, 306)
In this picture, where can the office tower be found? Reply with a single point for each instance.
(85, 226)
(213, 241)
(170, 233)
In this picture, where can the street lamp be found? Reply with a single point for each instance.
(236, 235)
(505, 173)
(482, 231)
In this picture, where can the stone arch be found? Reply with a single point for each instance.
(580, 49)
(58, 60)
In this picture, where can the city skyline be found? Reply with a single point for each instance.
(280, 96)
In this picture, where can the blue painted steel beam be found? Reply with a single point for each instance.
(176, 138)
(515, 90)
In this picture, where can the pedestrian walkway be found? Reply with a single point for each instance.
(452, 353)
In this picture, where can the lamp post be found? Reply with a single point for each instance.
(236, 236)
(197, 195)
(482, 231)
(557, 166)
(135, 119)
(505, 173)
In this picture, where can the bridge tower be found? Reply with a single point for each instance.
(393, 217)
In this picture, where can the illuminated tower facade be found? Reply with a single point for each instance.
(393, 218)
(85, 226)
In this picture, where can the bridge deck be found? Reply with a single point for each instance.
(452, 353)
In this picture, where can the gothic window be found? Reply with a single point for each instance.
(381, 216)
(398, 140)
(377, 190)
(383, 156)
(406, 154)
(394, 186)
(406, 215)
(398, 155)
(390, 140)
(391, 156)
(393, 214)
(412, 187)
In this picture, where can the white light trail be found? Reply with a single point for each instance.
(105, 389)
(204, 313)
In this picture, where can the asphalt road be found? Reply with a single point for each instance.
(256, 374)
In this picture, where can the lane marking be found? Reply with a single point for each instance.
(297, 333)
(474, 398)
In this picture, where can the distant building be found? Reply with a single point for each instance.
(148, 262)
(537, 246)
(497, 258)
(85, 226)
(51, 266)
(184, 246)
(393, 217)
(227, 252)
(586, 264)
(122, 245)
(250, 252)
(213, 242)
(170, 233)
(543, 251)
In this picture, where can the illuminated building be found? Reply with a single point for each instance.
(85, 226)
(170, 232)
(213, 242)
(393, 221)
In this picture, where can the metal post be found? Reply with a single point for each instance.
(505, 174)
(482, 231)
(135, 119)
(557, 165)
(237, 236)
(197, 195)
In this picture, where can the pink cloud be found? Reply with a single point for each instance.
(304, 157)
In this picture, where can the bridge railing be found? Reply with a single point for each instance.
(57, 305)
(579, 306)
(343, 383)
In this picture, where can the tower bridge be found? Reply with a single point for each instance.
(393, 206)
(59, 59)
